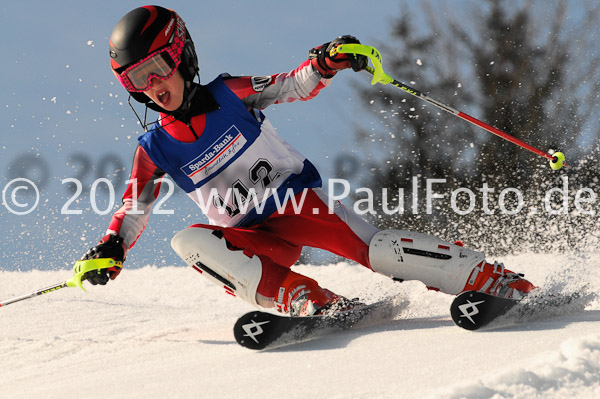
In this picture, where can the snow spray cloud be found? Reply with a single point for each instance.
(20, 196)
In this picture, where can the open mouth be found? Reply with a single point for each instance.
(163, 97)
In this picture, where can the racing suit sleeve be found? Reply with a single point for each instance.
(143, 188)
(302, 83)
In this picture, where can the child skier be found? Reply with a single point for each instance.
(216, 144)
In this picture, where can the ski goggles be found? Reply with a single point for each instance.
(160, 64)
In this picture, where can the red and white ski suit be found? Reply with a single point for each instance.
(277, 239)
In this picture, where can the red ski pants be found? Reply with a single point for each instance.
(278, 240)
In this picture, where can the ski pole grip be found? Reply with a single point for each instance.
(379, 76)
(83, 266)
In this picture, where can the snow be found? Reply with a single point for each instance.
(167, 332)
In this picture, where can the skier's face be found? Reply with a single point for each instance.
(168, 93)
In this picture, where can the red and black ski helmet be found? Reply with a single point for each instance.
(144, 30)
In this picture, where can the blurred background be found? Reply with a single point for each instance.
(529, 68)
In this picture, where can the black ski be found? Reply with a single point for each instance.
(263, 330)
(473, 310)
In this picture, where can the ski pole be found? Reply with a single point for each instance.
(81, 267)
(557, 160)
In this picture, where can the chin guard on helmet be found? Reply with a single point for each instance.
(188, 94)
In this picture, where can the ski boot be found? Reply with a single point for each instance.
(494, 279)
(305, 307)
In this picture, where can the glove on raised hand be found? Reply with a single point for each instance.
(328, 65)
(110, 246)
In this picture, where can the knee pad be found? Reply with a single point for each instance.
(207, 252)
(406, 255)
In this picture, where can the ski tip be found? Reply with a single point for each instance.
(473, 310)
(254, 330)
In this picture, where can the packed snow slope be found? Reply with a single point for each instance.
(167, 333)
